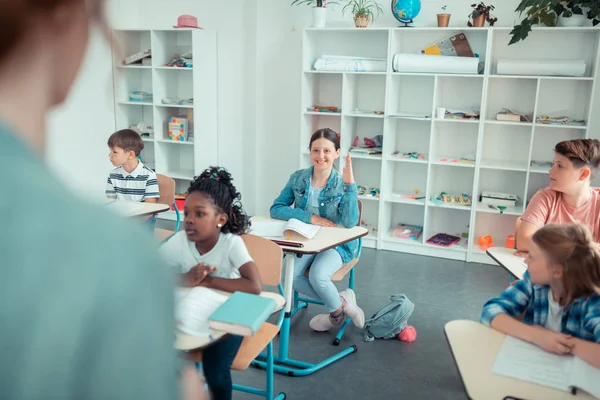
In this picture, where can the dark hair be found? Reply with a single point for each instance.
(16, 17)
(581, 152)
(215, 183)
(328, 134)
(128, 140)
(573, 247)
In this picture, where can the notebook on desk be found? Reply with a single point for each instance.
(242, 314)
(194, 307)
(277, 229)
(525, 361)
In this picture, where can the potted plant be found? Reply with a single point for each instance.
(443, 18)
(480, 14)
(546, 12)
(574, 13)
(363, 11)
(319, 10)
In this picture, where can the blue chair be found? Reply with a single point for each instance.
(267, 256)
(301, 302)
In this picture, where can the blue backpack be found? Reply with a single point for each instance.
(389, 320)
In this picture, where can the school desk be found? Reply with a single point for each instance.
(475, 347)
(135, 209)
(325, 239)
(515, 265)
(185, 342)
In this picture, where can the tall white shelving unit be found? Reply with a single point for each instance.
(502, 150)
(179, 160)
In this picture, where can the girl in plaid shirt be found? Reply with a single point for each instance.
(558, 299)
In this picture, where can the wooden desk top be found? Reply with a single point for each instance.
(474, 347)
(185, 342)
(326, 238)
(515, 265)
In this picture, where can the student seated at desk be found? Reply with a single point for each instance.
(211, 253)
(322, 197)
(559, 295)
(131, 180)
(569, 198)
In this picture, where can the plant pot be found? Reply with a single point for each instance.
(443, 20)
(479, 21)
(573, 20)
(362, 20)
(319, 17)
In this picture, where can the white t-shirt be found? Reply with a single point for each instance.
(228, 255)
(555, 312)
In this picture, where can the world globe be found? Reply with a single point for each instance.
(406, 10)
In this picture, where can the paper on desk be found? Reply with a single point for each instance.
(521, 360)
(271, 229)
(123, 207)
(194, 308)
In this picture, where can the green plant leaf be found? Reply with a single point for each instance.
(577, 10)
(567, 14)
(520, 31)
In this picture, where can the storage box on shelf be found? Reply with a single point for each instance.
(186, 90)
(455, 156)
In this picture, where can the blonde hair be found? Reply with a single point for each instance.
(572, 247)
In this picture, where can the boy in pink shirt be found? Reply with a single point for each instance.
(569, 198)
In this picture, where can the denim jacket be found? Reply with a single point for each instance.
(338, 202)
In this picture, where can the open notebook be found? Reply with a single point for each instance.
(194, 307)
(277, 229)
(527, 362)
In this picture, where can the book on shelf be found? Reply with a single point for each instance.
(407, 231)
(507, 114)
(457, 45)
(242, 314)
(366, 150)
(277, 229)
(133, 58)
(518, 359)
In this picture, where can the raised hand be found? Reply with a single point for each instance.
(347, 174)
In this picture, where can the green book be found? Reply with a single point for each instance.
(242, 314)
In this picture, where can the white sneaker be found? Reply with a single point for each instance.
(324, 322)
(351, 309)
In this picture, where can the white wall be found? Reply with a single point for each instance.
(279, 52)
(260, 44)
(89, 110)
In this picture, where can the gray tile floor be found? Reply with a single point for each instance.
(442, 290)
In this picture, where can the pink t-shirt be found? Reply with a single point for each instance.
(547, 206)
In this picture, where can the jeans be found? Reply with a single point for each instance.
(318, 285)
(216, 365)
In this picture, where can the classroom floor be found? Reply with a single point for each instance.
(442, 290)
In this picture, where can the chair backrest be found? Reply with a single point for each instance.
(360, 205)
(267, 256)
(166, 187)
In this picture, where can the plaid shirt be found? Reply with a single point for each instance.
(580, 319)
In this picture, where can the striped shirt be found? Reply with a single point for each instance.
(580, 319)
(139, 185)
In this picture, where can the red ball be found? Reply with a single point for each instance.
(408, 334)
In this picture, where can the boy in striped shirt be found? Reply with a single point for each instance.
(131, 180)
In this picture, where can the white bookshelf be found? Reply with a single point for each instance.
(179, 160)
(502, 150)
